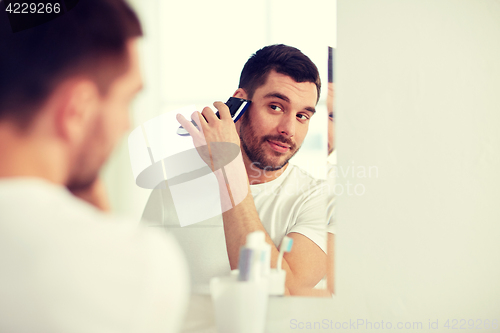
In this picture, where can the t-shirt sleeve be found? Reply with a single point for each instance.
(312, 217)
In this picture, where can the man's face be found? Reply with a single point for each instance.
(109, 123)
(275, 126)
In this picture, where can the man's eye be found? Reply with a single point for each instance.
(302, 116)
(275, 107)
(331, 116)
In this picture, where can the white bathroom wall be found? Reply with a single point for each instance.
(418, 98)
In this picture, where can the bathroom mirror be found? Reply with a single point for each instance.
(192, 54)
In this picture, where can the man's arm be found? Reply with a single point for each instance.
(305, 264)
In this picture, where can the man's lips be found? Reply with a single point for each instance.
(278, 146)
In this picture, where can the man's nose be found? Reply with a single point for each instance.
(287, 126)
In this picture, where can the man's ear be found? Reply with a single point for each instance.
(240, 93)
(77, 104)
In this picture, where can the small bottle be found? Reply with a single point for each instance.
(255, 258)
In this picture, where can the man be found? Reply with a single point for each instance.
(283, 85)
(65, 89)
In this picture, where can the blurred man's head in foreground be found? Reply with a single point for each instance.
(67, 85)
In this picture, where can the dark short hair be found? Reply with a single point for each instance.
(283, 59)
(89, 40)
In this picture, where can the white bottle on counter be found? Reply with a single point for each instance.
(255, 258)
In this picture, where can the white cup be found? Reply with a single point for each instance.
(240, 306)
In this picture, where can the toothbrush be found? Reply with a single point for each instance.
(286, 246)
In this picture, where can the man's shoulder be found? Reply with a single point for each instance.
(82, 256)
(55, 226)
(34, 207)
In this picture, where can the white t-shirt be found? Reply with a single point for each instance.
(294, 202)
(67, 267)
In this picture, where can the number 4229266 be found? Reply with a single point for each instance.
(33, 8)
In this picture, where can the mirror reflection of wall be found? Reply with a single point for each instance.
(193, 53)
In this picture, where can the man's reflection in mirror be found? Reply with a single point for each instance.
(283, 200)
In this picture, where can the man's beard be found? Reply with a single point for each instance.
(88, 159)
(252, 146)
(81, 182)
(83, 175)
